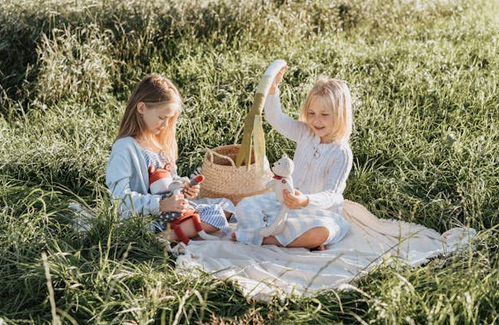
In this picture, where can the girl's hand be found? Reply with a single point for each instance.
(277, 80)
(295, 200)
(174, 203)
(191, 191)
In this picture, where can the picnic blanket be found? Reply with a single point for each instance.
(264, 272)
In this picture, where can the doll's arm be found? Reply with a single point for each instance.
(270, 184)
(191, 190)
(289, 187)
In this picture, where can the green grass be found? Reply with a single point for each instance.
(423, 75)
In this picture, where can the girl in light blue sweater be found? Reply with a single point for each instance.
(147, 138)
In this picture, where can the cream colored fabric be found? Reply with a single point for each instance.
(264, 272)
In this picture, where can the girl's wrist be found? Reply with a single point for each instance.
(305, 202)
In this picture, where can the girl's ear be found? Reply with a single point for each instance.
(141, 107)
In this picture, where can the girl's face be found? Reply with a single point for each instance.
(320, 119)
(157, 117)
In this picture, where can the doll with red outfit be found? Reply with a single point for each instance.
(162, 182)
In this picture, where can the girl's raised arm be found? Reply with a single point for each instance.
(285, 125)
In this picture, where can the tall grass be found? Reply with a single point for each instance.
(424, 78)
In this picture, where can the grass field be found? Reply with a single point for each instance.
(424, 75)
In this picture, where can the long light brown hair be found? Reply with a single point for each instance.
(336, 95)
(152, 90)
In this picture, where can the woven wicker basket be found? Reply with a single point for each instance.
(224, 179)
(237, 171)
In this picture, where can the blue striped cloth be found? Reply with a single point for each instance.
(259, 211)
(212, 214)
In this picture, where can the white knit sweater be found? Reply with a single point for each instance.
(321, 169)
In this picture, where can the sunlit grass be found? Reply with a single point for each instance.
(423, 75)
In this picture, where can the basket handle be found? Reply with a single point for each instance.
(211, 152)
(238, 133)
(253, 120)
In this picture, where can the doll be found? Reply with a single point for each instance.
(282, 180)
(162, 182)
(160, 179)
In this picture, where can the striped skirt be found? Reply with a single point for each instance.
(255, 212)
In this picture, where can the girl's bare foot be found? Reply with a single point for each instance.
(271, 240)
(318, 248)
(233, 236)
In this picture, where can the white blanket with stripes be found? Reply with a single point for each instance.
(264, 272)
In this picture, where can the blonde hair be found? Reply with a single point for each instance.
(153, 90)
(335, 94)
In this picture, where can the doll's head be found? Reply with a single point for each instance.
(152, 112)
(283, 167)
(160, 179)
(327, 111)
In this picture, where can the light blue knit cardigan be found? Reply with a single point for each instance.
(128, 180)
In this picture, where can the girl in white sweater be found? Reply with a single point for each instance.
(323, 160)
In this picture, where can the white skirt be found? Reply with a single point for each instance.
(255, 212)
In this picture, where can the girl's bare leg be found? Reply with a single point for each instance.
(312, 239)
(271, 240)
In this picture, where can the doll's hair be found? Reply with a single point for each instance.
(154, 91)
(335, 94)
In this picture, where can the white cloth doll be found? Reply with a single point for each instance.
(282, 180)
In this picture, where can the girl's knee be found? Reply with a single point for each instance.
(311, 238)
(208, 228)
(314, 238)
(320, 235)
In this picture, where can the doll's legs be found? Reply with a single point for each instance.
(188, 229)
(277, 226)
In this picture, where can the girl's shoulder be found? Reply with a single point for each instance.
(125, 142)
(125, 146)
(345, 151)
(344, 145)
(340, 149)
